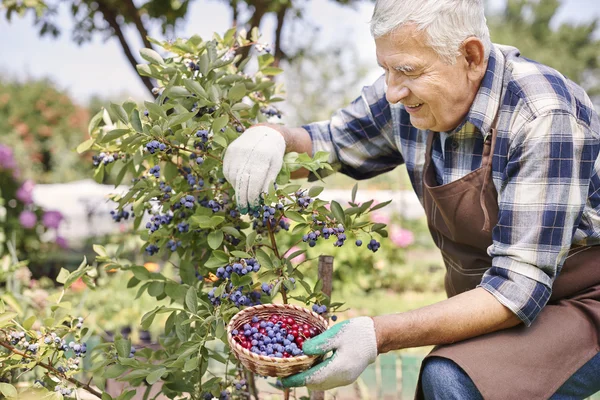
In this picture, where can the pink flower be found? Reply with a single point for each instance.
(25, 192)
(297, 259)
(7, 160)
(401, 237)
(380, 218)
(28, 219)
(52, 219)
(62, 242)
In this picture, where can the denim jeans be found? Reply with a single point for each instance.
(444, 380)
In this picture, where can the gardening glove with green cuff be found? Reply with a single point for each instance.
(252, 162)
(354, 346)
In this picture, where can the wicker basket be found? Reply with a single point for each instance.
(271, 366)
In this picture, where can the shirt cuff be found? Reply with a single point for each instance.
(522, 295)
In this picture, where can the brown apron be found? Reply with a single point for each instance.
(516, 363)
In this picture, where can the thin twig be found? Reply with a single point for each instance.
(53, 370)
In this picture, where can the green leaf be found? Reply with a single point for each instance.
(220, 123)
(195, 88)
(190, 364)
(95, 121)
(114, 134)
(152, 56)
(156, 289)
(315, 191)
(240, 254)
(180, 119)
(28, 323)
(8, 390)
(380, 205)
(62, 276)
(230, 230)
(119, 111)
(263, 258)
(237, 92)
(354, 190)
(136, 122)
(100, 250)
(140, 272)
(148, 318)
(123, 347)
(240, 107)
(191, 300)
(85, 146)
(377, 226)
(299, 228)
(155, 375)
(271, 71)
(250, 239)
(338, 212)
(114, 371)
(215, 238)
(155, 109)
(295, 216)
(171, 171)
(6, 318)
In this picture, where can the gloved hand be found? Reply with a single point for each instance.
(252, 162)
(355, 347)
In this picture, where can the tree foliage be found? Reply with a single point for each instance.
(571, 48)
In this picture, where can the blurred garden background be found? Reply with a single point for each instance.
(63, 61)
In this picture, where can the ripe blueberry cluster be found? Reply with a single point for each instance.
(166, 189)
(243, 267)
(151, 249)
(271, 111)
(63, 390)
(278, 336)
(154, 145)
(183, 227)
(155, 171)
(203, 135)
(373, 245)
(235, 294)
(157, 220)
(302, 199)
(214, 205)
(264, 217)
(104, 158)
(117, 215)
(173, 244)
(326, 232)
(187, 201)
(319, 309)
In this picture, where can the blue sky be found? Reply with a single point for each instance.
(100, 67)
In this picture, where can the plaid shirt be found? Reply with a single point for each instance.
(545, 166)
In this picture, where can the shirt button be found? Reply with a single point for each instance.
(454, 144)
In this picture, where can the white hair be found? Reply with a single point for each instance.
(447, 23)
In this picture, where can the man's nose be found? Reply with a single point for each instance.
(396, 92)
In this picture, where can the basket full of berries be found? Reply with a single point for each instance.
(268, 338)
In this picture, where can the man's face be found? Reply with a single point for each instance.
(437, 96)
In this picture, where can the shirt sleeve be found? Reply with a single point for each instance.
(541, 201)
(359, 138)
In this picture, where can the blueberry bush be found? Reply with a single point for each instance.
(184, 211)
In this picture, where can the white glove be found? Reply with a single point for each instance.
(252, 162)
(355, 347)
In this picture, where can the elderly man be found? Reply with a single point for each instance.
(503, 154)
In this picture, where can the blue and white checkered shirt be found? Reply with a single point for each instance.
(545, 166)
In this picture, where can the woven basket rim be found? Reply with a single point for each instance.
(259, 357)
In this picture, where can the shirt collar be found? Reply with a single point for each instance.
(487, 100)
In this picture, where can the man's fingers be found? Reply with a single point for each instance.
(325, 342)
(241, 191)
(303, 378)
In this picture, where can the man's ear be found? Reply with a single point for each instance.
(473, 52)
